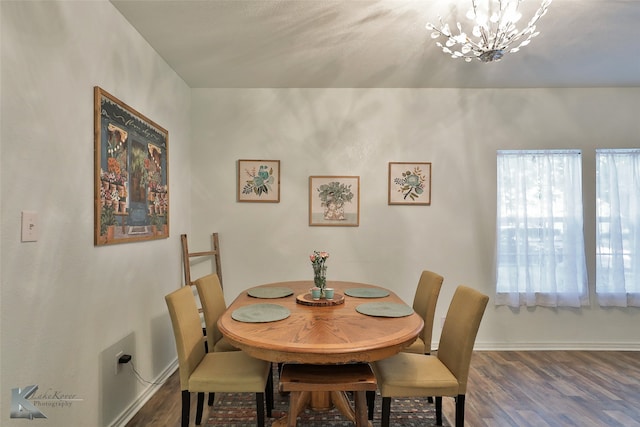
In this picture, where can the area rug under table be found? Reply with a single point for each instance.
(239, 410)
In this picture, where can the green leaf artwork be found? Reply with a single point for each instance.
(412, 183)
(260, 181)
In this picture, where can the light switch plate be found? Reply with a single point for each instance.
(29, 226)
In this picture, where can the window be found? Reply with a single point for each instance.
(618, 227)
(539, 230)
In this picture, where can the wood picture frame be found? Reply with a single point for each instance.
(131, 169)
(259, 181)
(409, 183)
(334, 201)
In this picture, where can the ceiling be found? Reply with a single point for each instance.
(380, 44)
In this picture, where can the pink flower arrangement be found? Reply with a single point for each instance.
(319, 269)
(318, 257)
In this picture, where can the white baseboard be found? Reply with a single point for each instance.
(550, 346)
(585, 346)
(135, 406)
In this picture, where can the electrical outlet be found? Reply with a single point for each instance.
(118, 364)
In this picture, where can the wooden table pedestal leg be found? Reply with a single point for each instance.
(358, 416)
(320, 401)
(298, 401)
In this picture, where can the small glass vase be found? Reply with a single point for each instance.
(320, 277)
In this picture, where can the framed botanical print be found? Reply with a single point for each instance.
(131, 170)
(334, 200)
(409, 183)
(259, 181)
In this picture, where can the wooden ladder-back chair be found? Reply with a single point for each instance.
(186, 263)
(186, 257)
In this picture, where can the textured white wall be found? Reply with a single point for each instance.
(65, 303)
(357, 132)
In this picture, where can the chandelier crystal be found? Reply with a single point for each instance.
(494, 31)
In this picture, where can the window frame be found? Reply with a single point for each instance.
(552, 242)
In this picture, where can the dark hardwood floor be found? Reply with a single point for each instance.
(508, 388)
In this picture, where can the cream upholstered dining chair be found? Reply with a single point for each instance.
(411, 375)
(424, 304)
(213, 305)
(201, 372)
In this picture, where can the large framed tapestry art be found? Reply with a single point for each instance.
(131, 169)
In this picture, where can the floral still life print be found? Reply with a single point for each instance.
(409, 183)
(333, 196)
(334, 200)
(259, 181)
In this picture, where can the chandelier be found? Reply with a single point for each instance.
(494, 31)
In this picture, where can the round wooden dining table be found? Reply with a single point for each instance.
(324, 332)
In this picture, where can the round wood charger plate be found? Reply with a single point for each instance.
(305, 299)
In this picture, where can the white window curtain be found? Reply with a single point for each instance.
(618, 227)
(540, 237)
